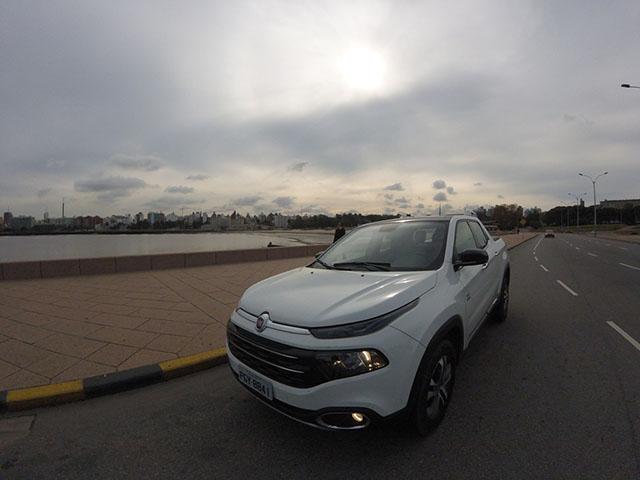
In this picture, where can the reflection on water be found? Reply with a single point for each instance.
(53, 247)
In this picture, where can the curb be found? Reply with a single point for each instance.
(99, 385)
(91, 387)
(523, 242)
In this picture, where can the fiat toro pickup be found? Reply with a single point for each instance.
(375, 326)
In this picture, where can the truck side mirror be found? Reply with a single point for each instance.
(469, 257)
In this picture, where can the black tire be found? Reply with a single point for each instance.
(502, 307)
(433, 387)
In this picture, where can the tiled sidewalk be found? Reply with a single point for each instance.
(68, 328)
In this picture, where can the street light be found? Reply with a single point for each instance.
(578, 198)
(593, 181)
(563, 210)
(626, 85)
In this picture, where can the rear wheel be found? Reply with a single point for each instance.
(502, 308)
(434, 387)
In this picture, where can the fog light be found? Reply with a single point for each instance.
(357, 417)
(343, 420)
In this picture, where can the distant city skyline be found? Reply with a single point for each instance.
(321, 107)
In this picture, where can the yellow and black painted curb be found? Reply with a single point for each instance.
(45, 395)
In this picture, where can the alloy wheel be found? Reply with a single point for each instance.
(439, 387)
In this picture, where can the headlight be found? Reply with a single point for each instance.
(347, 364)
(365, 327)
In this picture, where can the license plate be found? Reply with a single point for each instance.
(254, 383)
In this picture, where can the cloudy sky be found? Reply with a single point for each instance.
(315, 106)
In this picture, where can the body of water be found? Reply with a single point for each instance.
(55, 247)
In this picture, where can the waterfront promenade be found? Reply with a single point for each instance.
(58, 329)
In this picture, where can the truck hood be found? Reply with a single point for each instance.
(310, 297)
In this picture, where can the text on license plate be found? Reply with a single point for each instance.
(254, 383)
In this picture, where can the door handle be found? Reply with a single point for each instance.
(495, 254)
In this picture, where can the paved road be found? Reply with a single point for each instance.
(552, 393)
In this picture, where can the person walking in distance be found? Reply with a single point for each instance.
(339, 232)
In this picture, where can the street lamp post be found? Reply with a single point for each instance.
(562, 210)
(593, 181)
(578, 198)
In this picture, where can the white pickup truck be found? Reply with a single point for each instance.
(374, 327)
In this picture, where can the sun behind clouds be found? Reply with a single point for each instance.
(363, 70)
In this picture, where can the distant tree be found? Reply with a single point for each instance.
(533, 217)
(507, 216)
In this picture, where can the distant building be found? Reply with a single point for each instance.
(88, 222)
(6, 218)
(280, 221)
(22, 222)
(155, 217)
(620, 204)
(139, 218)
(172, 217)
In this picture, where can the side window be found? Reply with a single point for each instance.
(478, 234)
(464, 238)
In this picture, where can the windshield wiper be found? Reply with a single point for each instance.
(325, 265)
(368, 265)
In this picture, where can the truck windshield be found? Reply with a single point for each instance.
(398, 246)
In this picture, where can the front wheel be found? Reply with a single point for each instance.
(434, 383)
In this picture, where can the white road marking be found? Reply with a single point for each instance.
(625, 335)
(622, 248)
(630, 266)
(563, 285)
(544, 268)
(608, 244)
(536, 258)
(577, 248)
(592, 254)
(534, 248)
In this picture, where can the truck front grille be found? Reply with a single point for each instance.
(291, 366)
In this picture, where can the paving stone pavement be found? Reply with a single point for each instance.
(67, 328)
(60, 329)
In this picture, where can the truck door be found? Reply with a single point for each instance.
(471, 279)
(492, 269)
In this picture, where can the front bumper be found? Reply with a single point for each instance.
(377, 395)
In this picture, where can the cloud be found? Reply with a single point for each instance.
(179, 189)
(402, 200)
(44, 192)
(297, 167)
(147, 163)
(284, 202)
(197, 178)
(477, 184)
(420, 206)
(395, 186)
(440, 197)
(246, 201)
(172, 202)
(109, 184)
(500, 196)
(451, 190)
(581, 119)
(439, 184)
(388, 196)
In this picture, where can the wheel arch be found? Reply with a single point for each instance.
(452, 329)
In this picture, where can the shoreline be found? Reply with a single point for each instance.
(159, 232)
